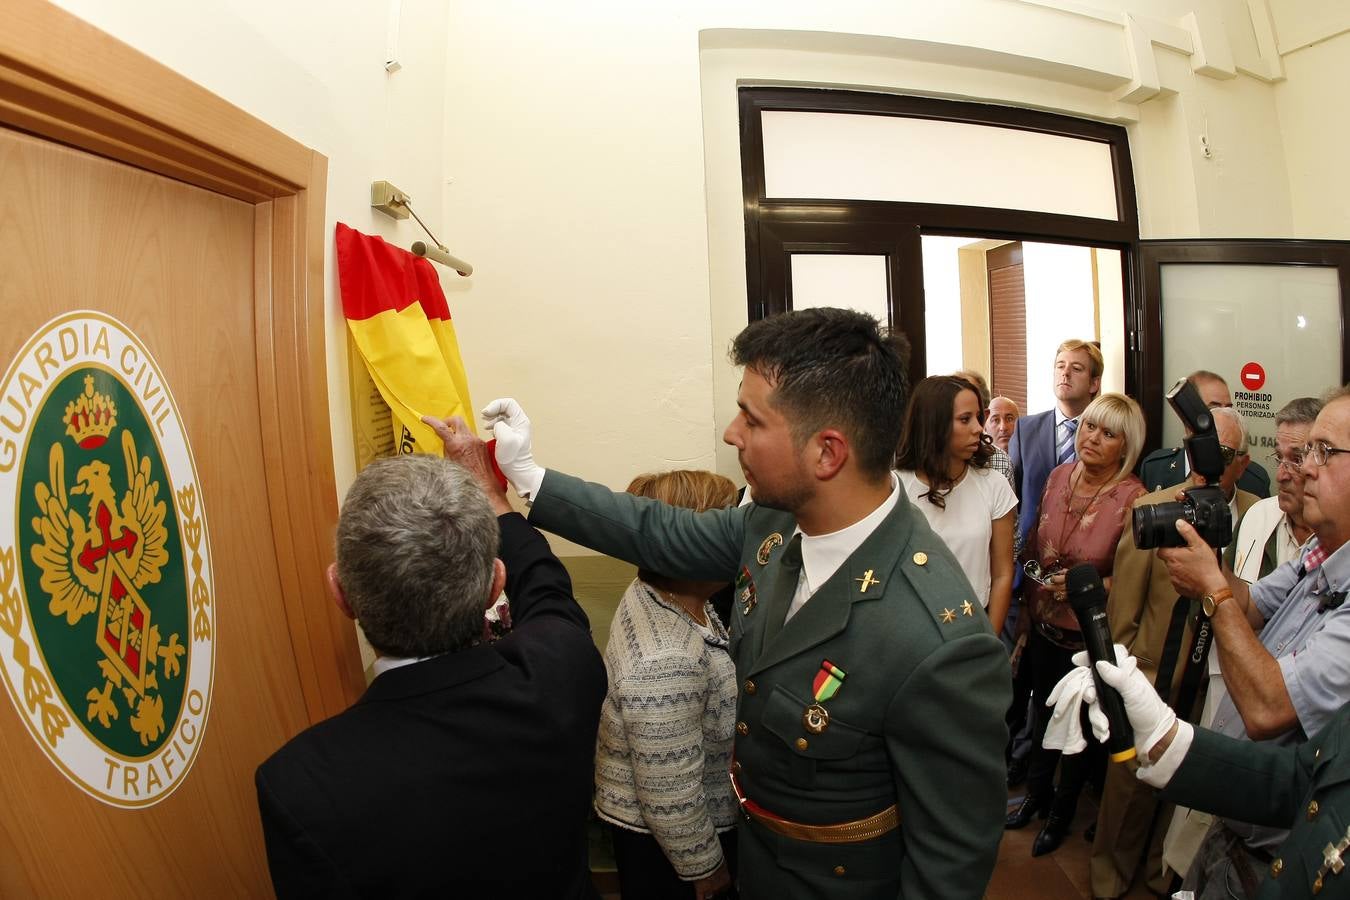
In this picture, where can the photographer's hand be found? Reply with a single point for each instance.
(1195, 572)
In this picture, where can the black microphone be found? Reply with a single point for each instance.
(1088, 598)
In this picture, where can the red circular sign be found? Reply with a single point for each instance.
(1253, 376)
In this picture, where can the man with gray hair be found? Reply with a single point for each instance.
(1286, 681)
(1269, 535)
(460, 748)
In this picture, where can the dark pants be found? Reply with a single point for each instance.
(1049, 663)
(645, 872)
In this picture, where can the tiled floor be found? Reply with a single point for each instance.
(1062, 875)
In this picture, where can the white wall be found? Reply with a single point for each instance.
(315, 71)
(1315, 128)
(585, 156)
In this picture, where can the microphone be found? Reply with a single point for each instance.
(1088, 598)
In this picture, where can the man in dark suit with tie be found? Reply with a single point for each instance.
(868, 751)
(466, 768)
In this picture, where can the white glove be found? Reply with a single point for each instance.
(511, 427)
(1149, 716)
(1065, 731)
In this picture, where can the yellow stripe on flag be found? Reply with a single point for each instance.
(412, 358)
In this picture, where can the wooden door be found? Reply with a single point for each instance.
(165, 460)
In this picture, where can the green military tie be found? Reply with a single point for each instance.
(789, 573)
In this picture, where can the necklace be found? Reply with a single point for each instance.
(1064, 528)
(701, 619)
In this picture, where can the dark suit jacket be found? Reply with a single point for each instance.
(917, 721)
(1033, 456)
(466, 775)
(1305, 788)
(1167, 467)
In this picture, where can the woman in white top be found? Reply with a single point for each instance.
(944, 465)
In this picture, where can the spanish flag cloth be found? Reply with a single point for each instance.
(401, 324)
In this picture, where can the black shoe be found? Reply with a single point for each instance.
(1051, 836)
(1030, 806)
(1090, 834)
(1017, 771)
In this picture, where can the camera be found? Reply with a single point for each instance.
(1204, 508)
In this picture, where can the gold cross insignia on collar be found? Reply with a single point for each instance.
(948, 615)
(866, 581)
(967, 608)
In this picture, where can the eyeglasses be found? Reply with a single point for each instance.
(1033, 570)
(1228, 453)
(1320, 452)
(1293, 461)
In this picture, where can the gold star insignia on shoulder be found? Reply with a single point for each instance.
(770, 542)
(948, 615)
(967, 608)
(866, 581)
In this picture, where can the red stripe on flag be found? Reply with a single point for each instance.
(375, 276)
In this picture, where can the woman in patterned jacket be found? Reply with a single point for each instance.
(664, 746)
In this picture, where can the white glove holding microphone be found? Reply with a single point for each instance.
(1150, 718)
(515, 455)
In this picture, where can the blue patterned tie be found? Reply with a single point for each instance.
(1064, 449)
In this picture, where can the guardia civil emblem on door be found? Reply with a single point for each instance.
(107, 607)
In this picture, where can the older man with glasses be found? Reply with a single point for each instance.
(1285, 684)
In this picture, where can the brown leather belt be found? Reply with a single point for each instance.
(839, 833)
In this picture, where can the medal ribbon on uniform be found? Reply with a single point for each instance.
(828, 681)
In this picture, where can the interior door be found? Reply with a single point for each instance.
(866, 266)
(175, 265)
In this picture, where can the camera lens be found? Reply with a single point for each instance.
(1155, 526)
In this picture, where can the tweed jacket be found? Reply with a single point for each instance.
(664, 747)
(1305, 788)
(917, 721)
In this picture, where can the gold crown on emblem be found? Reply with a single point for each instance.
(91, 417)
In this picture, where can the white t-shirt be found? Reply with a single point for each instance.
(966, 525)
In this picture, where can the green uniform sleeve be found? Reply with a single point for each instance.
(945, 734)
(676, 542)
(1248, 781)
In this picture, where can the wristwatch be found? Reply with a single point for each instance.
(1210, 602)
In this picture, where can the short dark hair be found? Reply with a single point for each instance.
(416, 542)
(1299, 411)
(832, 367)
(926, 438)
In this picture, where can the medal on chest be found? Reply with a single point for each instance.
(826, 684)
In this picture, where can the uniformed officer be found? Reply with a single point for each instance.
(869, 749)
(1304, 787)
(1169, 467)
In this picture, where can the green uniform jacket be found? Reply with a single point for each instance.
(1167, 467)
(917, 721)
(1305, 788)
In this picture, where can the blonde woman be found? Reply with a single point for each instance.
(664, 748)
(1084, 510)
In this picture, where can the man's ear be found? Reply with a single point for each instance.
(832, 453)
(335, 591)
(498, 582)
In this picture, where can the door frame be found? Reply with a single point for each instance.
(766, 217)
(64, 80)
(1154, 254)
